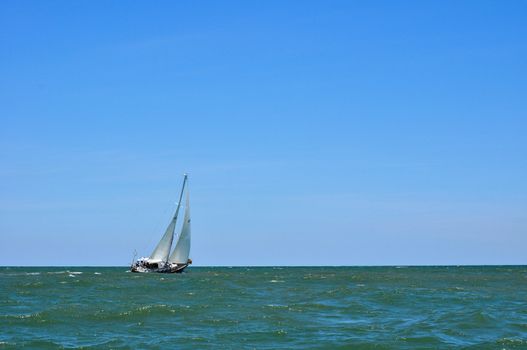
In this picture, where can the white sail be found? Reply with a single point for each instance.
(182, 250)
(163, 247)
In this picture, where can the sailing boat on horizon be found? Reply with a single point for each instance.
(161, 260)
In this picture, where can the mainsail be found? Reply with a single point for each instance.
(163, 247)
(181, 251)
(162, 250)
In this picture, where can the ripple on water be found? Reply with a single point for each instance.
(265, 308)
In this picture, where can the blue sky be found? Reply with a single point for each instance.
(314, 133)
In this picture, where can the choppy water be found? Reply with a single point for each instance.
(265, 308)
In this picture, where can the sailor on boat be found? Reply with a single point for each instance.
(161, 260)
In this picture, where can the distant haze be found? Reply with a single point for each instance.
(314, 133)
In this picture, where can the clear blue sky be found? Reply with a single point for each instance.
(339, 133)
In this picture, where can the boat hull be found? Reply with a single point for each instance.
(168, 269)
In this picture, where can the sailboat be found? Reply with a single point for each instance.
(161, 260)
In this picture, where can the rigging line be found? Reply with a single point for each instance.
(161, 220)
(179, 203)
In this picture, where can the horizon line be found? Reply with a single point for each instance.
(281, 266)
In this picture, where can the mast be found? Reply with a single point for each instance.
(180, 254)
(179, 203)
(180, 197)
(162, 250)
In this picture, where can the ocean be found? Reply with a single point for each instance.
(265, 308)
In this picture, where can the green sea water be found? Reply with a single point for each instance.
(265, 308)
